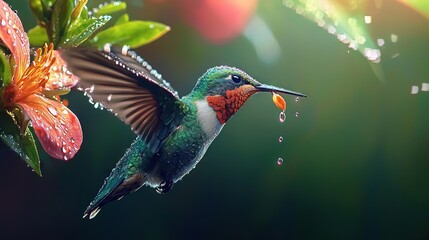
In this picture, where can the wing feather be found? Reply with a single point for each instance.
(130, 88)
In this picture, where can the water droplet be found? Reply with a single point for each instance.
(64, 149)
(296, 99)
(109, 98)
(3, 22)
(282, 117)
(368, 19)
(72, 140)
(52, 110)
(296, 114)
(96, 105)
(280, 139)
(414, 89)
(279, 161)
(393, 37)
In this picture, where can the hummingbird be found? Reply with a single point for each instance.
(173, 133)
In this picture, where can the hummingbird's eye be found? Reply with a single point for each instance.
(236, 78)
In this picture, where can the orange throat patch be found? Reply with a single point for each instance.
(226, 106)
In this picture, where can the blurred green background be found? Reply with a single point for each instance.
(356, 159)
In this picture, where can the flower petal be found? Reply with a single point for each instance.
(279, 101)
(12, 34)
(57, 128)
(60, 77)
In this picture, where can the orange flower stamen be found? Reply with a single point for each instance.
(34, 77)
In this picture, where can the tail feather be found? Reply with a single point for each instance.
(124, 179)
(111, 192)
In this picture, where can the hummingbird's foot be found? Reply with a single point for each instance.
(165, 187)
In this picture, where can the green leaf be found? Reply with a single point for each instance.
(82, 30)
(22, 144)
(36, 7)
(60, 20)
(80, 6)
(133, 34)
(110, 8)
(124, 18)
(5, 74)
(38, 36)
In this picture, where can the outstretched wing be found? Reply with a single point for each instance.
(126, 86)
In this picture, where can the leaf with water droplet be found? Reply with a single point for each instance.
(81, 30)
(22, 144)
(5, 74)
(60, 20)
(38, 36)
(343, 21)
(133, 34)
(110, 8)
(279, 101)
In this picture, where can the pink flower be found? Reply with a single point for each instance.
(35, 88)
(218, 21)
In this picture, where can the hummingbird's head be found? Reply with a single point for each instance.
(226, 89)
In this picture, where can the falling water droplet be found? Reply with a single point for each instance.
(279, 161)
(280, 139)
(296, 114)
(282, 117)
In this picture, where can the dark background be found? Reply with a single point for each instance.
(356, 159)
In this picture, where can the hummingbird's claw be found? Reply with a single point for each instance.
(165, 187)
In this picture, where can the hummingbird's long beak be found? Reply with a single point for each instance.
(269, 88)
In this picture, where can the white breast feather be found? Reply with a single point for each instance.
(207, 119)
